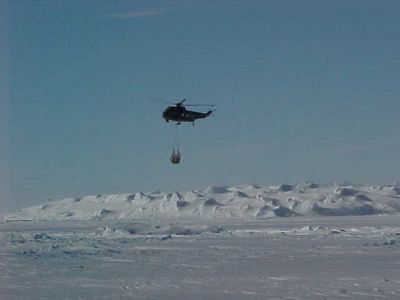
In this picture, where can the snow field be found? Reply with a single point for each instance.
(280, 258)
(307, 241)
(236, 202)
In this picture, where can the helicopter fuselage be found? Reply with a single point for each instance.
(180, 114)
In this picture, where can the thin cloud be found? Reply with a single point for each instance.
(133, 14)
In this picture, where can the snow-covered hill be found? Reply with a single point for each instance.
(224, 202)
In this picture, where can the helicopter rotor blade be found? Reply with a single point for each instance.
(177, 103)
(180, 103)
(159, 100)
(212, 105)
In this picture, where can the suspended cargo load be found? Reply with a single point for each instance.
(175, 157)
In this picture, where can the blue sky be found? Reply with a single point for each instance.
(306, 90)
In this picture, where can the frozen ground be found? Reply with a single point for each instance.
(224, 202)
(351, 257)
(283, 242)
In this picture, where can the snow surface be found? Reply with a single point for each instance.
(284, 242)
(216, 202)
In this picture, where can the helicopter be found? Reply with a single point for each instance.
(179, 113)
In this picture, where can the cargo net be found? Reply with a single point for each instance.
(175, 157)
(176, 154)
